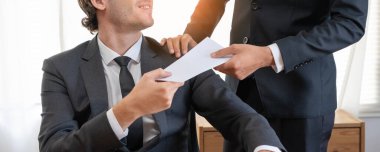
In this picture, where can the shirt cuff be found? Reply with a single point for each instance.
(115, 125)
(279, 63)
(267, 147)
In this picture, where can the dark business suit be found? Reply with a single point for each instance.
(74, 101)
(307, 32)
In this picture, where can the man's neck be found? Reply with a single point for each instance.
(119, 42)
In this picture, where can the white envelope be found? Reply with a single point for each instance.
(196, 61)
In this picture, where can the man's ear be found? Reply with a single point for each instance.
(99, 4)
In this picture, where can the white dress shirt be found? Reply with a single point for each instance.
(111, 71)
(279, 63)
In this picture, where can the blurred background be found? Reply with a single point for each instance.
(32, 30)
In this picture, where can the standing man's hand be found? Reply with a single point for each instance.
(147, 97)
(245, 60)
(179, 45)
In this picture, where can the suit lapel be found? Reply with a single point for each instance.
(152, 57)
(94, 80)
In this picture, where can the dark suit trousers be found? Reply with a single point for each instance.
(296, 134)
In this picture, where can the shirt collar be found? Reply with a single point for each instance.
(108, 54)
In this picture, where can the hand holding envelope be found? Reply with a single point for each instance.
(194, 62)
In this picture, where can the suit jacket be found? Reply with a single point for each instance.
(74, 104)
(307, 32)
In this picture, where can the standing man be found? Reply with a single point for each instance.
(103, 95)
(282, 64)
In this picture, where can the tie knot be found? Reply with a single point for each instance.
(122, 60)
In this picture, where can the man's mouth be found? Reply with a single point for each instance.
(145, 6)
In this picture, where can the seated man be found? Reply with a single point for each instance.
(94, 99)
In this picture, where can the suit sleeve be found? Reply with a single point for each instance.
(206, 16)
(60, 130)
(229, 115)
(345, 27)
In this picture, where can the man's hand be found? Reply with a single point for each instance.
(245, 60)
(179, 45)
(147, 97)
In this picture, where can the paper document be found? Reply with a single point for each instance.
(196, 61)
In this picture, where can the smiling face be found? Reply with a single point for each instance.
(130, 14)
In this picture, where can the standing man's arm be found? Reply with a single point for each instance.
(206, 16)
(345, 27)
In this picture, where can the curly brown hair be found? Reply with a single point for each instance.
(90, 22)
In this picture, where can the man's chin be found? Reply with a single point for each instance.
(147, 25)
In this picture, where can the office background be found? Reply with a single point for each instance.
(32, 30)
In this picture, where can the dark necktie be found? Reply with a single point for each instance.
(135, 133)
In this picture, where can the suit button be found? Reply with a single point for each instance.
(245, 40)
(254, 6)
